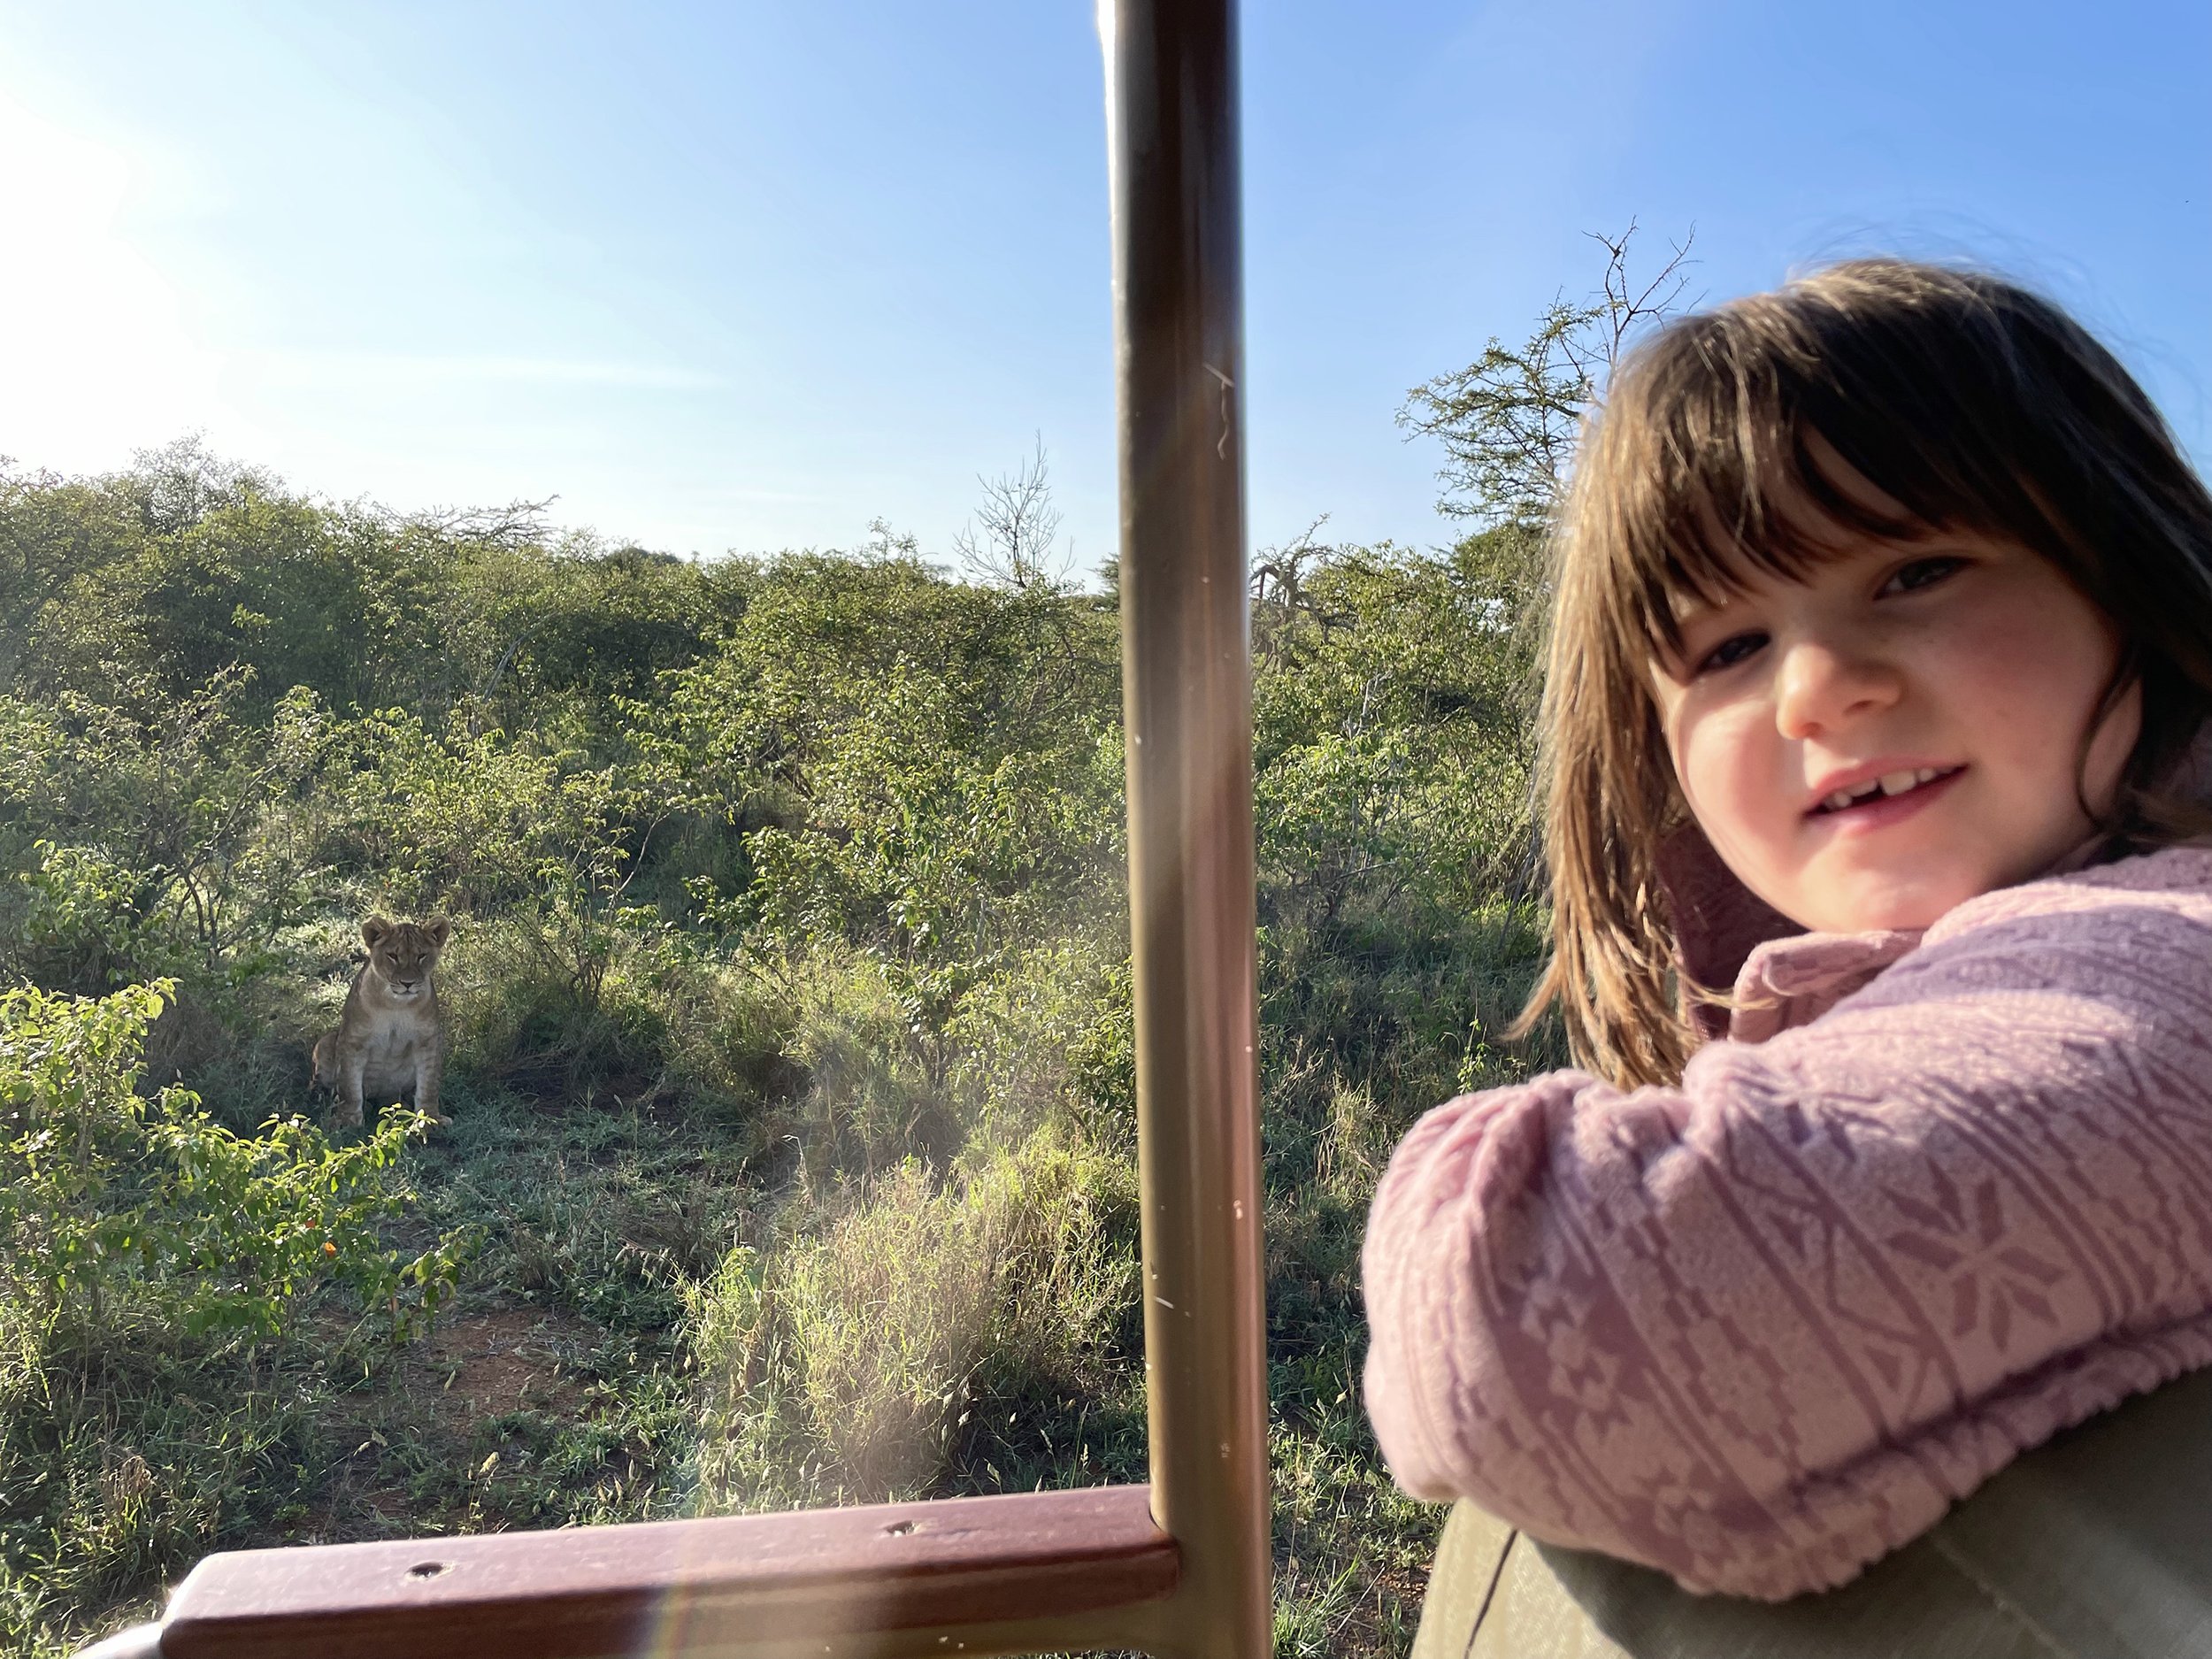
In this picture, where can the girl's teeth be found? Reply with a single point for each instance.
(1888, 783)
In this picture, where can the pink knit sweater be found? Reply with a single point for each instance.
(1937, 1197)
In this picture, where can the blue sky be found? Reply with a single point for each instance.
(748, 276)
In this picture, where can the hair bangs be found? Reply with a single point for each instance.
(1729, 475)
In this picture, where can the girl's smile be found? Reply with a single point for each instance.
(1896, 730)
(1865, 797)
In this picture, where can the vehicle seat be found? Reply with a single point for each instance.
(2096, 1545)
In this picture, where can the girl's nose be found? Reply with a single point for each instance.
(1822, 685)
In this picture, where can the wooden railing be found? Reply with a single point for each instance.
(1180, 1567)
(972, 1575)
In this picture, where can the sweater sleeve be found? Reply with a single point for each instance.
(1759, 1330)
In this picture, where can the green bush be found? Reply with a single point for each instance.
(658, 1012)
(724, 1026)
(123, 1212)
(1391, 711)
(155, 1269)
(919, 769)
(1048, 1038)
(842, 1367)
(80, 926)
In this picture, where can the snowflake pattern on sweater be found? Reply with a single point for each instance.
(1935, 1198)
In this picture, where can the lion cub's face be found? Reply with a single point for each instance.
(402, 954)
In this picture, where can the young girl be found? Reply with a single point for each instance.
(1881, 649)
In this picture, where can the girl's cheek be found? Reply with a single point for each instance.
(1687, 716)
(2109, 751)
(1726, 773)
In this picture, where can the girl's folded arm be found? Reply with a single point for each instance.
(1712, 1327)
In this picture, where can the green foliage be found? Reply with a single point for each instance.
(146, 1247)
(480, 820)
(725, 1030)
(54, 537)
(122, 1212)
(185, 565)
(80, 923)
(171, 812)
(924, 770)
(1390, 715)
(877, 1088)
(844, 1367)
(1509, 421)
(442, 815)
(791, 1076)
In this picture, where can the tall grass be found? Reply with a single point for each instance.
(852, 1358)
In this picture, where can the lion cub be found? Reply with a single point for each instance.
(388, 1040)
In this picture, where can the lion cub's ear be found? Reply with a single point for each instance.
(375, 929)
(440, 928)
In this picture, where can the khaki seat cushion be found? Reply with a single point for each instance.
(2098, 1545)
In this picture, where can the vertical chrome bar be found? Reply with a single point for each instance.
(1187, 713)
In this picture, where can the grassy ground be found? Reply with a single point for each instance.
(558, 1387)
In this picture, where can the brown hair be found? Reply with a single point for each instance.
(1972, 404)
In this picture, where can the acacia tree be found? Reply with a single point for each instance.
(1510, 422)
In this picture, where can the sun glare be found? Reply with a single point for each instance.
(97, 358)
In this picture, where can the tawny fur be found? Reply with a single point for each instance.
(389, 1042)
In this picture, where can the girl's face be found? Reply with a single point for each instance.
(1896, 731)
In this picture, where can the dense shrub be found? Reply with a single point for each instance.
(129, 1214)
(147, 1250)
(843, 1366)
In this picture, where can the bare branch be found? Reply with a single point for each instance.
(1624, 307)
(518, 524)
(1015, 546)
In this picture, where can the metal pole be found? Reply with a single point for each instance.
(1188, 710)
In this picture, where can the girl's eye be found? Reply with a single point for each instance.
(1730, 651)
(1922, 573)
